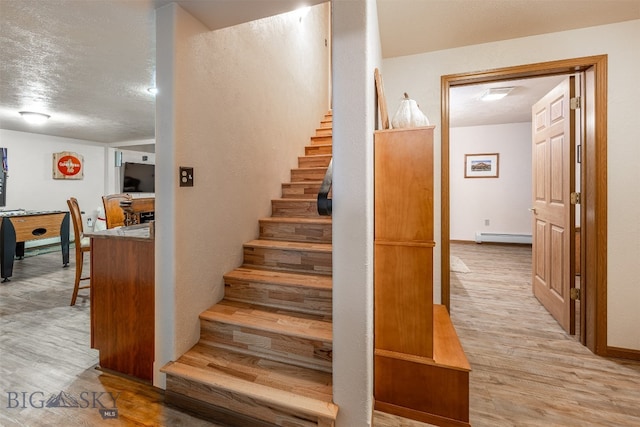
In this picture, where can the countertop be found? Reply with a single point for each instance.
(133, 232)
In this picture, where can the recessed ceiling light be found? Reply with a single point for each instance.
(34, 118)
(495, 93)
(153, 90)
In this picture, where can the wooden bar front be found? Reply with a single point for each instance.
(122, 300)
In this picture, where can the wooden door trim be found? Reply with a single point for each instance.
(594, 181)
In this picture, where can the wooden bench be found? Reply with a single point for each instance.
(434, 391)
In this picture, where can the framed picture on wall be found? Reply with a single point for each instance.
(481, 165)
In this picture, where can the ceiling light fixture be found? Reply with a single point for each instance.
(495, 93)
(34, 118)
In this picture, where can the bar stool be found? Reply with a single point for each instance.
(82, 245)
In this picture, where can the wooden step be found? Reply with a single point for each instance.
(256, 388)
(321, 140)
(300, 292)
(301, 190)
(286, 336)
(296, 257)
(311, 150)
(317, 161)
(312, 230)
(326, 122)
(324, 131)
(298, 208)
(308, 174)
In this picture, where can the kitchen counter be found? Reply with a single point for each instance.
(133, 232)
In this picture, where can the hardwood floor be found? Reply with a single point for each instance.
(525, 370)
(44, 350)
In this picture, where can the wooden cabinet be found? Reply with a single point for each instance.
(122, 300)
(420, 370)
(403, 250)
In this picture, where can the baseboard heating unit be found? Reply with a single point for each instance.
(503, 238)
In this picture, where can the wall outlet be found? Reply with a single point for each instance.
(186, 177)
(487, 222)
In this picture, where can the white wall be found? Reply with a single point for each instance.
(238, 105)
(30, 183)
(420, 75)
(505, 200)
(356, 53)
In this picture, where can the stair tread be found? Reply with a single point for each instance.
(258, 370)
(281, 278)
(300, 200)
(302, 183)
(278, 244)
(290, 399)
(297, 220)
(269, 319)
(316, 168)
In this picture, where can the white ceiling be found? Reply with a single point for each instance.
(88, 63)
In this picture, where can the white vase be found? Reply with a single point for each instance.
(409, 115)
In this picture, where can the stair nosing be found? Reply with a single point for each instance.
(269, 395)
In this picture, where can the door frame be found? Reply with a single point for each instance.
(593, 227)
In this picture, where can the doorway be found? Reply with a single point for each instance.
(593, 174)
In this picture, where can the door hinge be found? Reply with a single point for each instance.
(574, 198)
(575, 294)
(575, 103)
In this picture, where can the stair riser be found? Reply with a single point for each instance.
(320, 140)
(269, 345)
(314, 233)
(294, 260)
(314, 161)
(326, 123)
(294, 208)
(311, 150)
(305, 300)
(327, 131)
(253, 408)
(313, 174)
(300, 190)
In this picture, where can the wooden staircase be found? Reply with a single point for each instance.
(265, 352)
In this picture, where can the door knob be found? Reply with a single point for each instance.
(533, 210)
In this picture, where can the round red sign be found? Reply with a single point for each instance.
(69, 165)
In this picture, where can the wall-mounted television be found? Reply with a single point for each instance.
(139, 178)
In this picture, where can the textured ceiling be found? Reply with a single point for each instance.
(467, 109)
(88, 63)
(85, 63)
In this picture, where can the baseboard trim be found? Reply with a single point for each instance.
(473, 242)
(623, 353)
(211, 412)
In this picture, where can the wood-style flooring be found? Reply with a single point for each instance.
(526, 370)
(44, 350)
